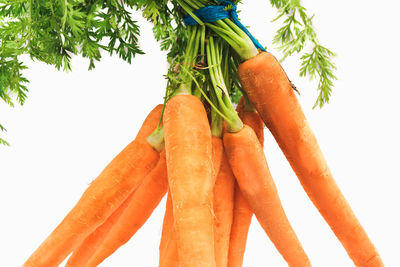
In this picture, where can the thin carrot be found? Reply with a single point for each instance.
(269, 89)
(223, 210)
(190, 178)
(168, 245)
(250, 117)
(125, 221)
(82, 254)
(217, 154)
(250, 168)
(168, 226)
(242, 213)
(105, 194)
(222, 201)
(146, 198)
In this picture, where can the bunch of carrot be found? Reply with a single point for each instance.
(209, 158)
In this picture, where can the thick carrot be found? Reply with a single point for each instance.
(169, 253)
(250, 168)
(146, 198)
(271, 93)
(242, 212)
(223, 210)
(105, 194)
(168, 243)
(190, 178)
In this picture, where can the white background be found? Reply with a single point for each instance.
(73, 124)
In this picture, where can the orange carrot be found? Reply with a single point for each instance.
(217, 154)
(105, 194)
(190, 178)
(250, 117)
(270, 91)
(168, 225)
(169, 253)
(242, 212)
(85, 251)
(250, 168)
(122, 225)
(145, 200)
(223, 210)
(168, 246)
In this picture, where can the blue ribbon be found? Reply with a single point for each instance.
(214, 13)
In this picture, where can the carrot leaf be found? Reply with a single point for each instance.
(2, 141)
(294, 36)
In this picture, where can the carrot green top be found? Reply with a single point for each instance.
(54, 31)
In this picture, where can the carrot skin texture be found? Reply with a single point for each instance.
(104, 195)
(270, 91)
(139, 208)
(191, 178)
(217, 154)
(168, 226)
(168, 244)
(248, 163)
(223, 210)
(82, 254)
(145, 199)
(251, 119)
(242, 213)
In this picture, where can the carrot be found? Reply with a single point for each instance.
(242, 212)
(248, 163)
(250, 117)
(217, 154)
(146, 199)
(190, 178)
(168, 226)
(223, 210)
(136, 210)
(223, 201)
(169, 253)
(84, 251)
(105, 194)
(168, 246)
(270, 91)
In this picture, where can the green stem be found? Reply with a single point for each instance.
(188, 62)
(156, 138)
(248, 106)
(202, 43)
(189, 11)
(226, 29)
(234, 124)
(216, 119)
(206, 97)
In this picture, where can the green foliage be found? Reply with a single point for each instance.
(2, 141)
(317, 63)
(297, 31)
(52, 31)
